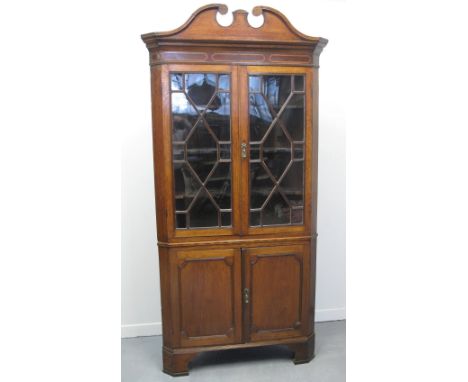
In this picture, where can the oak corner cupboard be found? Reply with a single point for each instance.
(235, 129)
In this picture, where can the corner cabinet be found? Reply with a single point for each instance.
(235, 112)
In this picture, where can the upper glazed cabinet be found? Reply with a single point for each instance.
(237, 122)
(238, 142)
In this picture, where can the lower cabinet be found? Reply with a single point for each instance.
(232, 296)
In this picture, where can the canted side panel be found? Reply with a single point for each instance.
(159, 152)
(312, 142)
(312, 282)
(166, 310)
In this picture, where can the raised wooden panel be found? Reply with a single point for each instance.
(278, 290)
(206, 291)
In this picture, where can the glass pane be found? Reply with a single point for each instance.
(225, 151)
(260, 117)
(277, 151)
(218, 116)
(254, 151)
(186, 186)
(255, 218)
(178, 152)
(276, 211)
(202, 151)
(184, 116)
(181, 221)
(260, 185)
(297, 216)
(223, 83)
(200, 87)
(226, 219)
(177, 82)
(298, 83)
(203, 212)
(201, 148)
(255, 83)
(292, 184)
(276, 90)
(298, 151)
(219, 185)
(277, 125)
(292, 117)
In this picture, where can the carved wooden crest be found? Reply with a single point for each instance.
(203, 26)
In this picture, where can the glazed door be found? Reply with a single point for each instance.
(276, 142)
(206, 288)
(202, 136)
(276, 291)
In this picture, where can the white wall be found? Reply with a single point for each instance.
(140, 274)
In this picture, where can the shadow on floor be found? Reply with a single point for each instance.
(242, 355)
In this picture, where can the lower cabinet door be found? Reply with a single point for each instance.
(276, 292)
(206, 291)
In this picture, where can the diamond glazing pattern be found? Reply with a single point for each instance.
(277, 118)
(201, 149)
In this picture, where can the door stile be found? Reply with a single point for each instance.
(236, 175)
(244, 139)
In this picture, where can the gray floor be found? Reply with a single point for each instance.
(141, 361)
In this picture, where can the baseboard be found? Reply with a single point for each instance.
(141, 330)
(335, 314)
(155, 328)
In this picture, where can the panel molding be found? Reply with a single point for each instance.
(229, 261)
(255, 259)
